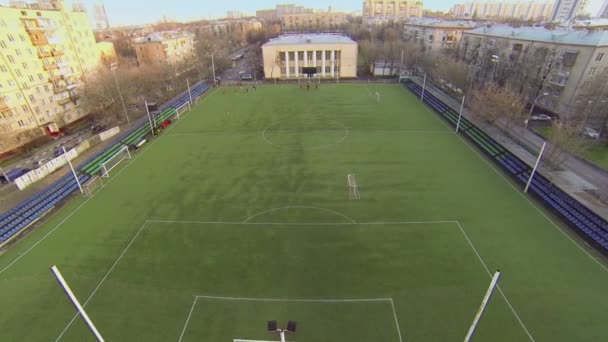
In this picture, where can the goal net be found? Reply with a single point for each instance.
(182, 109)
(114, 160)
(92, 186)
(353, 187)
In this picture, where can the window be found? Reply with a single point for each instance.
(32, 98)
(3, 68)
(38, 90)
(31, 78)
(592, 71)
(40, 77)
(25, 108)
(327, 70)
(599, 57)
(46, 88)
(11, 83)
(569, 58)
(21, 37)
(300, 55)
(17, 52)
(309, 53)
(23, 13)
(18, 72)
(24, 65)
(2, 44)
(10, 58)
(291, 55)
(10, 37)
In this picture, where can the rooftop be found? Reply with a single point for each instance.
(313, 38)
(156, 37)
(541, 34)
(431, 22)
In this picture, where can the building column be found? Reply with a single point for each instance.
(305, 58)
(287, 64)
(297, 64)
(323, 63)
(314, 59)
(333, 63)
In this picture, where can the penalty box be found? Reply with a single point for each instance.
(167, 263)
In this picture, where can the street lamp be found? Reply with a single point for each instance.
(113, 68)
(532, 108)
(495, 59)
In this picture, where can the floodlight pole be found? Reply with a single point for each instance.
(189, 93)
(482, 307)
(149, 117)
(423, 87)
(282, 333)
(112, 68)
(76, 303)
(3, 173)
(213, 69)
(65, 155)
(540, 155)
(460, 115)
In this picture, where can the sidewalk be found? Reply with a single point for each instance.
(586, 183)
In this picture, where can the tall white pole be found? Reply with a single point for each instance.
(282, 333)
(423, 86)
(460, 115)
(189, 93)
(76, 303)
(213, 69)
(149, 117)
(4, 174)
(540, 155)
(482, 307)
(65, 155)
(401, 66)
(120, 95)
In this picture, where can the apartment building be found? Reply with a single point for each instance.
(506, 9)
(313, 20)
(381, 11)
(170, 47)
(267, 14)
(435, 34)
(566, 10)
(46, 51)
(333, 56)
(570, 65)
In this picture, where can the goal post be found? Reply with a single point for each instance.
(92, 186)
(107, 166)
(353, 187)
(182, 109)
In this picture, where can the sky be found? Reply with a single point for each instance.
(132, 12)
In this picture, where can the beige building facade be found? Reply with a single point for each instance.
(506, 9)
(333, 56)
(571, 66)
(46, 51)
(313, 20)
(170, 47)
(435, 34)
(379, 11)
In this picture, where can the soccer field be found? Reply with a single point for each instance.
(240, 213)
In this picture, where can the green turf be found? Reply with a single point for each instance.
(261, 178)
(597, 154)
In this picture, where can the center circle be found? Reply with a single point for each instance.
(305, 133)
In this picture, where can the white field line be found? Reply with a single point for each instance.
(299, 207)
(337, 142)
(302, 300)
(85, 202)
(181, 336)
(493, 167)
(302, 223)
(396, 320)
(485, 266)
(124, 251)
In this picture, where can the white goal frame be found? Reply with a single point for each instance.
(353, 187)
(182, 109)
(92, 186)
(105, 171)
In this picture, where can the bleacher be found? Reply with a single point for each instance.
(29, 211)
(585, 222)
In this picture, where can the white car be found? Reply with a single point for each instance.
(591, 133)
(541, 117)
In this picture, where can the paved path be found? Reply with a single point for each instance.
(580, 179)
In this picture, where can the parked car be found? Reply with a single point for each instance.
(591, 133)
(97, 128)
(246, 77)
(541, 117)
(58, 151)
(13, 174)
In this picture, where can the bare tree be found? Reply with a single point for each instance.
(564, 139)
(499, 106)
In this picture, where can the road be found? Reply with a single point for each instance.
(238, 68)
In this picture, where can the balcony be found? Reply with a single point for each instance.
(558, 80)
(38, 40)
(59, 89)
(45, 54)
(51, 66)
(57, 53)
(55, 78)
(3, 105)
(64, 101)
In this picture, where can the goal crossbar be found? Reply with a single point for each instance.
(123, 153)
(182, 109)
(353, 187)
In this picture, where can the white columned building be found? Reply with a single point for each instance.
(338, 54)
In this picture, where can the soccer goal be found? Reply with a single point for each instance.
(182, 109)
(353, 187)
(114, 160)
(92, 186)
